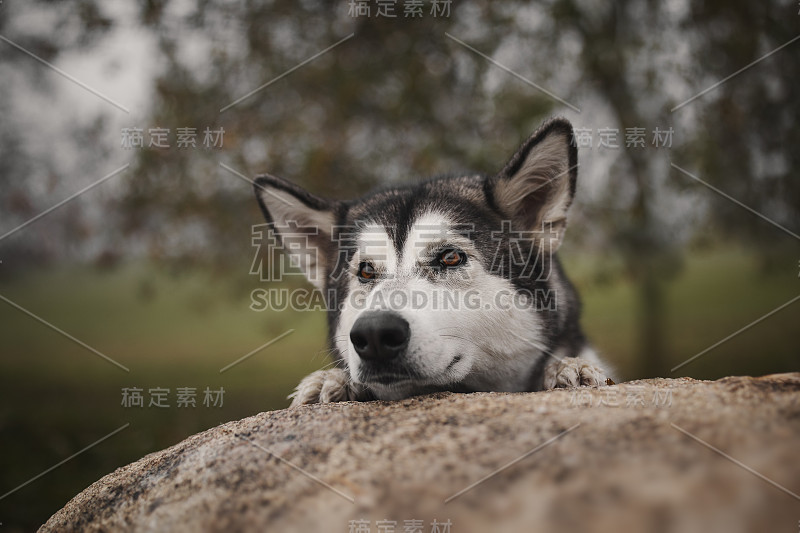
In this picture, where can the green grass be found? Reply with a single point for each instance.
(169, 330)
(179, 329)
(714, 295)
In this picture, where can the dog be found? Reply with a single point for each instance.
(450, 284)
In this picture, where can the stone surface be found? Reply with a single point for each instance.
(604, 459)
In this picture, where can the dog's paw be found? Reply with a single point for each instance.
(572, 372)
(323, 386)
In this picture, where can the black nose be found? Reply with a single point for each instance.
(380, 335)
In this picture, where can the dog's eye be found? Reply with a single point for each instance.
(452, 258)
(366, 272)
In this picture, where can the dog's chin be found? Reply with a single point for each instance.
(386, 381)
(401, 389)
(386, 386)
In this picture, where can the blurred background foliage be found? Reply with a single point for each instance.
(152, 267)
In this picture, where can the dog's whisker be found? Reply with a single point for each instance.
(324, 351)
(333, 363)
(325, 355)
(464, 339)
(539, 346)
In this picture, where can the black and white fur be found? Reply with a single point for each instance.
(484, 347)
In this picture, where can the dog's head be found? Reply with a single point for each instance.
(444, 284)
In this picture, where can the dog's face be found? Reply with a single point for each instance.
(441, 285)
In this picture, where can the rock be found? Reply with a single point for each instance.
(652, 455)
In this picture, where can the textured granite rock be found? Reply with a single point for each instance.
(629, 457)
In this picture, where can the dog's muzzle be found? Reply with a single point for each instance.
(380, 336)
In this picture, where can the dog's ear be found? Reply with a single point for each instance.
(536, 187)
(302, 223)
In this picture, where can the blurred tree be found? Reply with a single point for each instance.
(746, 130)
(382, 107)
(629, 54)
(612, 36)
(37, 144)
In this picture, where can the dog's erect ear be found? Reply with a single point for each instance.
(302, 223)
(536, 187)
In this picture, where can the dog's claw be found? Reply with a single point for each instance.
(323, 386)
(572, 372)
